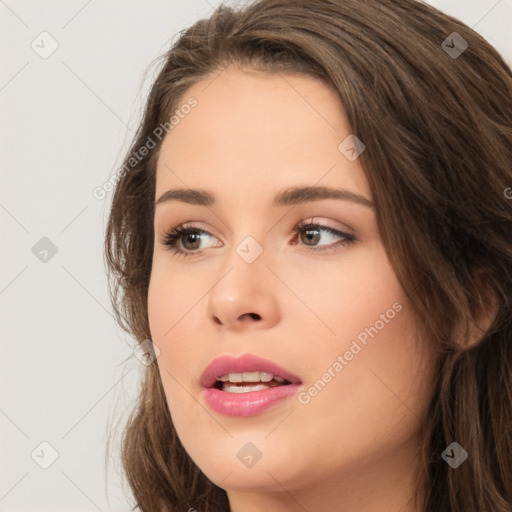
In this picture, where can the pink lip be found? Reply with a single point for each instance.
(245, 363)
(253, 402)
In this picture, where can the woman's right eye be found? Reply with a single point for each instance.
(185, 235)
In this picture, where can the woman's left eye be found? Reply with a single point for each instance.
(311, 231)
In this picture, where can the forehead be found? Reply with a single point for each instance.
(251, 132)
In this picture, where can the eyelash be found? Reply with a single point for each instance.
(173, 236)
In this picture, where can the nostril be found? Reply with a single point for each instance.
(254, 316)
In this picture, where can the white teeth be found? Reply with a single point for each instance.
(250, 377)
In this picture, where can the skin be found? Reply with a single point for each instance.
(353, 446)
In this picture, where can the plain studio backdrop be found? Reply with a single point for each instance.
(72, 87)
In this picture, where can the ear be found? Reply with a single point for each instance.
(485, 309)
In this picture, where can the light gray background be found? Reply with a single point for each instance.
(67, 370)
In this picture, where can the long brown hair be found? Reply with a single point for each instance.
(437, 127)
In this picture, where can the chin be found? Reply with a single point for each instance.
(244, 462)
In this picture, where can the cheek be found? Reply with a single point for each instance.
(346, 295)
(386, 372)
(169, 322)
(170, 295)
(371, 396)
(175, 302)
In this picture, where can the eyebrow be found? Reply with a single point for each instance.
(286, 197)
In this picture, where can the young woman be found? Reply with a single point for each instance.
(313, 227)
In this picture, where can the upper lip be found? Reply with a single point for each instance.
(245, 363)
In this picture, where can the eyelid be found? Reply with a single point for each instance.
(347, 230)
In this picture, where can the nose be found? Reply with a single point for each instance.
(245, 295)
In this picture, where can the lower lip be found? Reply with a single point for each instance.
(247, 404)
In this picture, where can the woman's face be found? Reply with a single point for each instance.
(323, 303)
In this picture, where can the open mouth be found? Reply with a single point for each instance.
(248, 381)
(246, 385)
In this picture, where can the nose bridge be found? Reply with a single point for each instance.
(245, 263)
(243, 290)
(248, 236)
